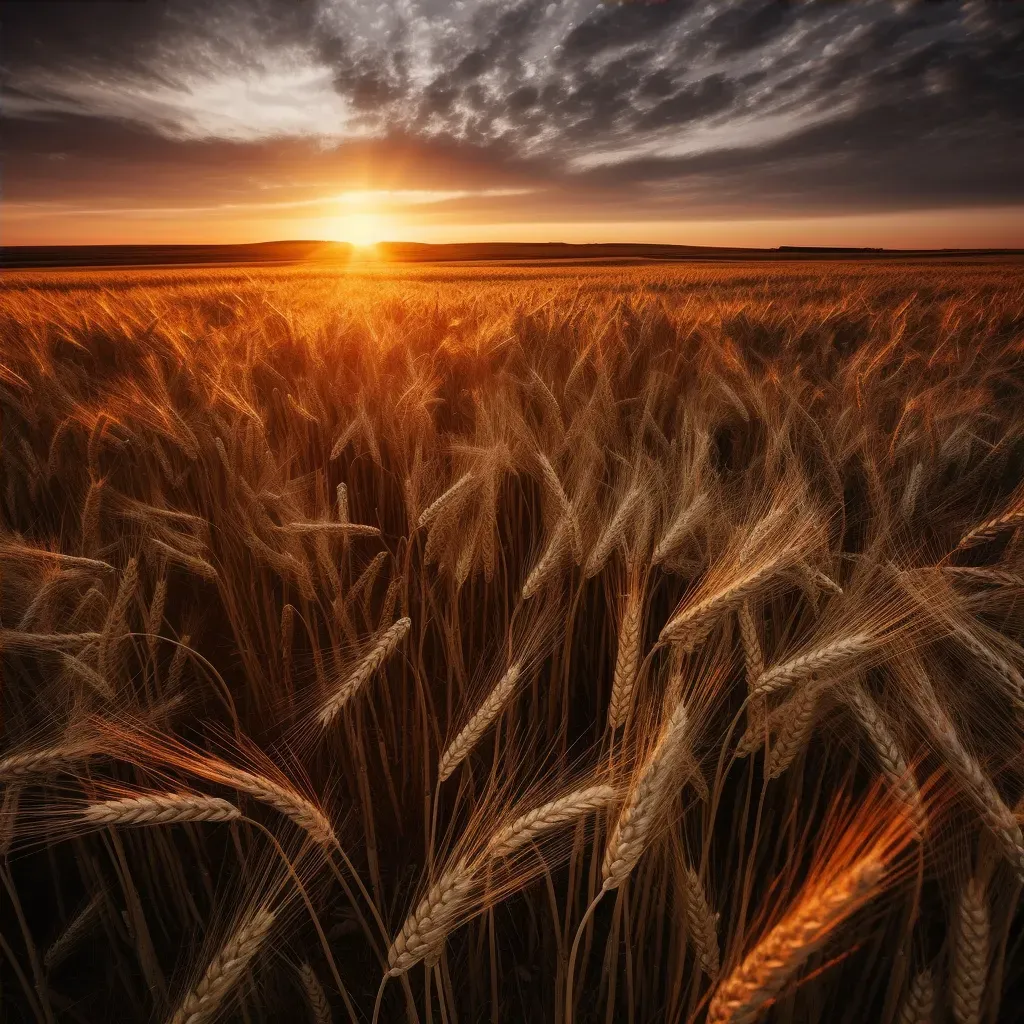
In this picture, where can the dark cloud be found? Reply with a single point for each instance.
(638, 109)
(745, 26)
(616, 25)
(709, 96)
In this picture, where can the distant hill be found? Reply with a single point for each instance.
(34, 256)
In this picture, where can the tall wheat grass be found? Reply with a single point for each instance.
(543, 627)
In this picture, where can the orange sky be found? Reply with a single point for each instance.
(364, 221)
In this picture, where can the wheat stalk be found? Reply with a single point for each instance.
(568, 515)
(116, 624)
(996, 815)
(160, 809)
(478, 724)
(87, 674)
(291, 804)
(425, 930)
(315, 996)
(43, 760)
(155, 619)
(17, 551)
(536, 822)
(821, 580)
(890, 757)
(919, 1005)
(78, 927)
(795, 721)
(197, 565)
(92, 510)
(18, 642)
(627, 657)
(428, 515)
(645, 803)
(613, 533)
(755, 982)
(9, 815)
(679, 528)
(1000, 665)
(970, 954)
(178, 660)
(371, 661)
(986, 574)
(328, 527)
(691, 625)
(700, 922)
(549, 562)
(753, 663)
(828, 658)
(225, 969)
(991, 528)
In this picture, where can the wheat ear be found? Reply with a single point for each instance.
(20, 642)
(536, 822)
(612, 534)
(795, 725)
(471, 732)
(178, 660)
(626, 657)
(757, 980)
(828, 658)
(568, 515)
(690, 626)
(155, 618)
(225, 970)
(970, 954)
(991, 528)
(1000, 665)
(425, 930)
(116, 619)
(79, 926)
(42, 761)
(890, 757)
(996, 815)
(986, 574)
(431, 511)
(679, 528)
(88, 675)
(820, 579)
(700, 922)
(549, 562)
(9, 807)
(160, 809)
(327, 527)
(315, 996)
(375, 657)
(63, 560)
(919, 1005)
(645, 803)
(292, 805)
(199, 566)
(753, 663)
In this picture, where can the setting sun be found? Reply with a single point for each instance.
(362, 230)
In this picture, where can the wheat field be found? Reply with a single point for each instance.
(514, 643)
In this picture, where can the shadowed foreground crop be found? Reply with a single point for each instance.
(594, 644)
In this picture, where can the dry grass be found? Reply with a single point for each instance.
(544, 628)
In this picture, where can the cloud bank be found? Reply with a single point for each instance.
(610, 111)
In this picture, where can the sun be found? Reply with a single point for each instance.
(363, 230)
(363, 227)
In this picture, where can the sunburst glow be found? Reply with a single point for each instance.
(363, 229)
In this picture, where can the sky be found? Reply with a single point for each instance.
(734, 122)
